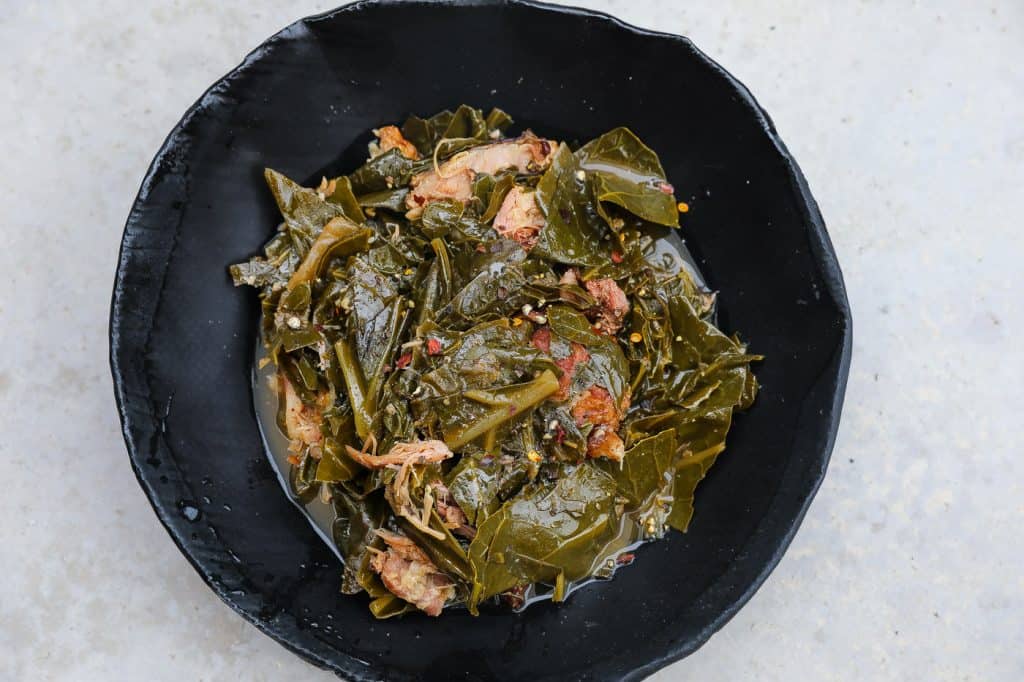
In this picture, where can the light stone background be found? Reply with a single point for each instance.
(908, 120)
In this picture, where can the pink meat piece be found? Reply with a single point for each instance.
(612, 304)
(409, 574)
(519, 217)
(454, 178)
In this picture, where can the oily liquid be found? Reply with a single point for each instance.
(669, 250)
(275, 442)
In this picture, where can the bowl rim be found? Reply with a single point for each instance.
(132, 406)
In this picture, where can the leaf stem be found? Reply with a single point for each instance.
(517, 402)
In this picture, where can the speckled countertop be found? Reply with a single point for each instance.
(908, 120)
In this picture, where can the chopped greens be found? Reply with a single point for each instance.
(485, 364)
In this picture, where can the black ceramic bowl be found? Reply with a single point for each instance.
(182, 338)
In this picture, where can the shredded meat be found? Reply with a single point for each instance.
(403, 456)
(416, 452)
(603, 441)
(519, 217)
(612, 304)
(302, 422)
(454, 178)
(570, 277)
(409, 574)
(391, 138)
(450, 511)
(596, 407)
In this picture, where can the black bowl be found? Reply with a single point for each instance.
(182, 338)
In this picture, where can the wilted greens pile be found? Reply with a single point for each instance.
(491, 361)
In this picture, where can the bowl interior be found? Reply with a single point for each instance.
(182, 336)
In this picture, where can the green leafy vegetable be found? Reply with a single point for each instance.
(548, 530)
(644, 468)
(493, 362)
(573, 234)
(626, 172)
(382, 173)
(339, 237)
(390, 199)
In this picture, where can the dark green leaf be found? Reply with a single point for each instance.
(498, 120)
(424, 133)
(382, 173)
(467, 122)
(574, 233)
(390, 199)
(340, 237)
(273, 269)
(440, 216)
(302, 208)
(475, 486)
(356, 518)
(690, 470)
(642, 472)
(335, 465)
(303, 479)
(546, 530)
(499, 191)
(343, 198)
(626, 172)
(494, 290)
(376, 312)
(478, 411)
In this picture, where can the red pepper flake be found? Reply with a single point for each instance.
(666, 188)
(559, 434)
(511, 409)
(403, 361)
(625, 559)
(616, 257)
(433, 347)
(419, 200)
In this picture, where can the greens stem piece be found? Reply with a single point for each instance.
(491, 441)
(373, 389)
(559, 594)
(518, 401)
(486, 398)
(356, 387)
(340, 237)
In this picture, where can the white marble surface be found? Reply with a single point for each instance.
(908, 119)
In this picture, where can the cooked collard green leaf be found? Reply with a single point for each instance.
(626, 172)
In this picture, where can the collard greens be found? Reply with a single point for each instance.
(484, 363)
